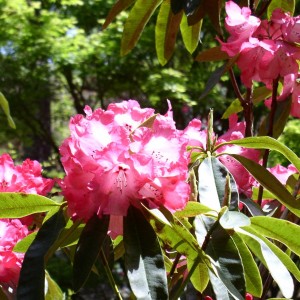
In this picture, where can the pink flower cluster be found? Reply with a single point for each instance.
(118, 157)
(25, 178)
(266, 49)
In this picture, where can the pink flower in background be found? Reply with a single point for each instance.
(11, 232)
(111, 162)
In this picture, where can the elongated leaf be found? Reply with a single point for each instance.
(5, 107)
(270, 182)
(212, 184)
(166, 29)
(118, 7)
(284, 257)
(23, 245)
(32, 275)
(274, 264)
(17, 205)
(220, 290)
(212, 54)
(216, 76)
(265, 142)
(88, 248)
(135, 23)
(253, 207)
(200, 274)
(251, 271)
(280, 230)
(53, 291)
(224, 252)
(193, 209)
(190, 34)
(143, 258)
(285, 5)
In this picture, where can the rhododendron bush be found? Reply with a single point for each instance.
(186, 210)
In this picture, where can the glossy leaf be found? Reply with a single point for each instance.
(190, 34)
(166, 29)
(265, 142)
(285, 5)
(233, 219)
(212, 176)
(32, 275)
(144, 261)
(270, 182)
(5, 107)
(118, 7)
(274, 264)
(219, 288)
(135, 23)
(17, 205)
(283, 256)
(253, 207)
(280, 230)
(88, 248)
(251, 271)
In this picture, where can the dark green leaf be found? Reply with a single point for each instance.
(135, 23)
(3, 295)
(88, 248)
(166, 29)
(270, 182)
(177, 5)
(32, 275)
(143, 258)
(251, 271)
(212, 175)
(253, 207)
(118, 7)
(212, 54)
(17, 205)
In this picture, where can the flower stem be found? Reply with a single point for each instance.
(109, 274)
(248, 113)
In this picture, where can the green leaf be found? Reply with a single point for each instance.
(212, 175)
(23, 245)
(3, 296)
(32, 275)
(224, 252)
(88, 248)
(285, 5)
(280, 230)
(273, 263)
(135, 23)
(193, 209)
(53, 291)
(232, 219)
(166, 29)
(259, 94)
(212, 54)
(251, 271)
(144, 261)
(266, 142)
(200, 275)
(270, 182)
(216, 76)
(5, 107)
(118, 7)
(17, 205)
(253, 207)
(190, 34)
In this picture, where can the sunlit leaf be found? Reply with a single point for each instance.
(193, 209)
(232, 219)
(200, 275)
(143, 258)
(53, 291)
(135, 23)
(17, 205)
(23, 245)
(5, 107)
(285, 5)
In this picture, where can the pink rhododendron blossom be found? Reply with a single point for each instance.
(266, 49)
(236, 131)
(11, 232)
(112, 161)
